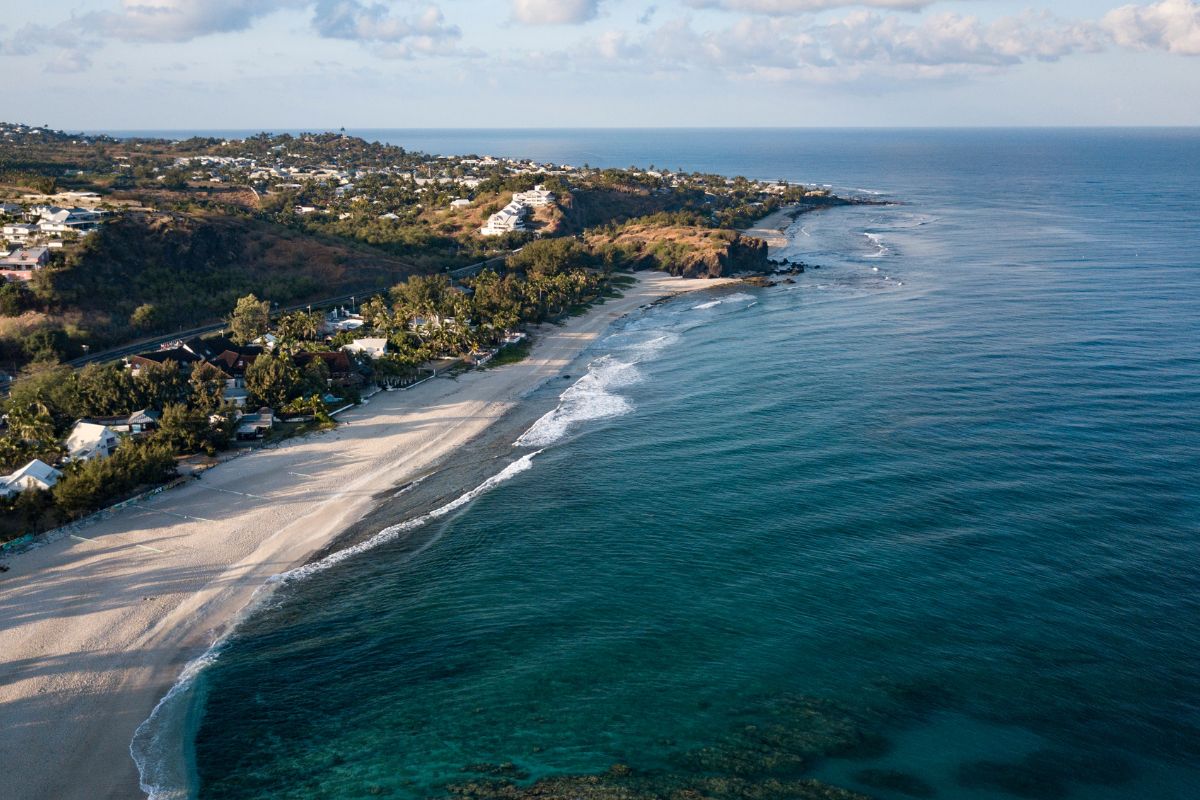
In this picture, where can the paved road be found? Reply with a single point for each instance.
(143, 345)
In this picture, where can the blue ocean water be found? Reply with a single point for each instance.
(931, 510)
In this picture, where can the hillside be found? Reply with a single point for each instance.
(150, 272)
(687, 250)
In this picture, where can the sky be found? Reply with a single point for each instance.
(323, 64)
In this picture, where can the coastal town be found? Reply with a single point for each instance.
(400, 266)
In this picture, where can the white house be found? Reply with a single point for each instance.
(460, 203)
(18, 233)
(373, 347)
(36, 474)
(537, 197)
(506, 220)
(75, 218)
(90, 440)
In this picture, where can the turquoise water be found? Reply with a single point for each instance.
(931, 509)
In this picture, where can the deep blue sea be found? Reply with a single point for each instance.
(924, 523)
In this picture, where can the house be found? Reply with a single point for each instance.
(20, 265)
(508, 219)
(267, 341)
(342, 371)
(374, 347)
(90, 440)
(26, 259)
(183, 357)
(337, 323)
(459, 203)
(18, 233)
(135, 424)
(537, 197)
(256, 426)
(80, 219)
(37, 474)
(10, 209)
(232, 359)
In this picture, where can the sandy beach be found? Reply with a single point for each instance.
(95, 629)
(771, 228)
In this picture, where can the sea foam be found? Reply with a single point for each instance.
(589, 398)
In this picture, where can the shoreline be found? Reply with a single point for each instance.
(97, 628)
(772, 228)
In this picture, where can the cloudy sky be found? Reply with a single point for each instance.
(213, 64)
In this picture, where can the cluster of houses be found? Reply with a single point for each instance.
(515, 215)
(92, 437)
(42, 227)
(285, 169)
(98, 437)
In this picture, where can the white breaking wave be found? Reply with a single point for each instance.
(156, 747)
(593, 397)
(588, 398)
(522, 464)
(162, 770)
(881, 248)
(733, 298)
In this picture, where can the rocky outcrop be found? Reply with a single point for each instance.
(690, 252)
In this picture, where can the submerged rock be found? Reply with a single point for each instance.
(895, 781)
(1019, 779)
(657, 787)
(505, 770)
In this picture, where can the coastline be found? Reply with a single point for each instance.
(97, 628)
(773, 227)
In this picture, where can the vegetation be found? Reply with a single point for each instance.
(205, 227)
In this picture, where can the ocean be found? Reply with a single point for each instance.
(924, 522)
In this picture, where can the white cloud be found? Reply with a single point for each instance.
(182, 20)
(859, 45)
(1171, 25)
(67, 60)
(954, 39)
(793, 7)
(426, 32)
(554, 12)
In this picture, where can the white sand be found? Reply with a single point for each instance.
(93, 632)
(772, 228)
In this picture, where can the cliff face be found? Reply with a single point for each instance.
(690, 252)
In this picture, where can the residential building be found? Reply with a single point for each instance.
(508, 219)
(537, 197)
(20, 265)
(342, 370)
(256, 426)
(18, 233)
(183, 357)
(135, 424)
(374, 347)
(37, 474)
(90, 440)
